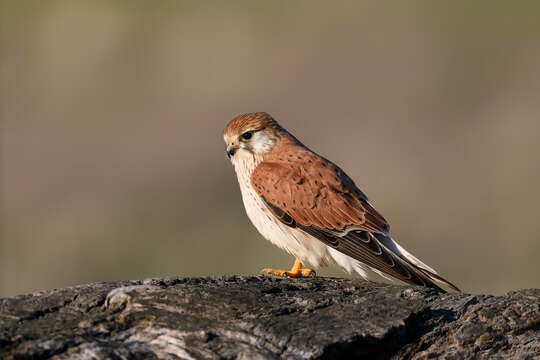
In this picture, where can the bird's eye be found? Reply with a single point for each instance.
(247, 135)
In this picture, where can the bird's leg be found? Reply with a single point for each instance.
(296, 271)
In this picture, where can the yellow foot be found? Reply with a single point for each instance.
(286, 273)
(296, 272)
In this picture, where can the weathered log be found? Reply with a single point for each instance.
(237, 317)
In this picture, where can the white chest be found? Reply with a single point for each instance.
(256, 209)
(294, 241)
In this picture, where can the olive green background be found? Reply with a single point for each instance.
(113, 162)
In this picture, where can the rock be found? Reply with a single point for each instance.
(238, 317)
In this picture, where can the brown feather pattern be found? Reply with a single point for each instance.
(310, 193)
(251, 121)
(314, 191)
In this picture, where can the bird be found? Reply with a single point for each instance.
(309, 207)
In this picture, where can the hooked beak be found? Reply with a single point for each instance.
(231, 149)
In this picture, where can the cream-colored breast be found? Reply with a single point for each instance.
(299, 244)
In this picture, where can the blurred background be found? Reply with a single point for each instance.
(113, 164)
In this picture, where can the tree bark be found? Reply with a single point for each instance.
(237, 317)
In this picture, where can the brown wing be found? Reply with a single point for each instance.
(310, 193)
(315, 192)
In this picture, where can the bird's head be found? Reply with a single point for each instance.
(251, 134)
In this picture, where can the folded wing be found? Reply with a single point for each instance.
(312, 194)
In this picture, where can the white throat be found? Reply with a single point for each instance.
(244, 163)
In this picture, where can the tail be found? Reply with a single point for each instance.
(428, 275)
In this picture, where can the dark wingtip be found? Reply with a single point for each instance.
(440, 279)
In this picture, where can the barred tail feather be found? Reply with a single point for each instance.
(429, 272)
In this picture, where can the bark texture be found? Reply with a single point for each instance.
(238, 317)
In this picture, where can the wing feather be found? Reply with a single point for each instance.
(318, 198)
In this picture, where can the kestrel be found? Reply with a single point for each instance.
(308, 206)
